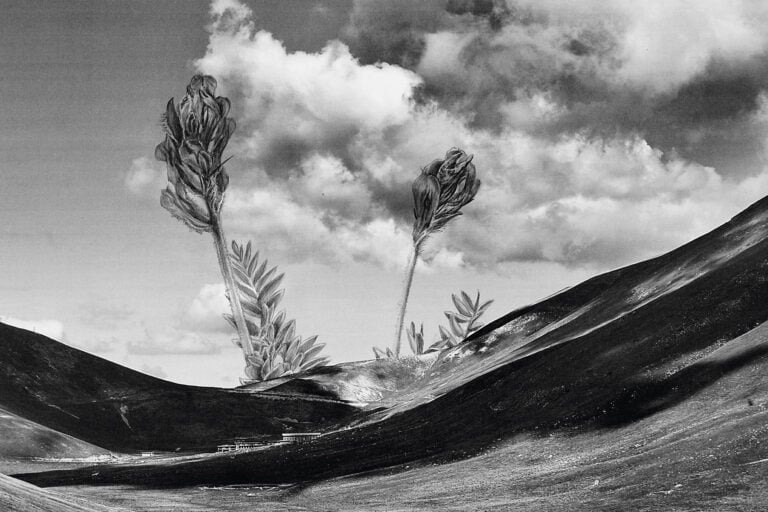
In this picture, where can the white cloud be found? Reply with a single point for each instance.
(325, 183)
(667, 43)
(327, 147)
(305, 99)
(207, 310)
(656, 47)
(51, 328)
(590, 202)
(145, 177)
(295, 232)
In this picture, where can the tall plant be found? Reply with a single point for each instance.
(442, 189)
(197, 131)
(276, 349)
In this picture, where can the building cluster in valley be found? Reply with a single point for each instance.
(246, 444)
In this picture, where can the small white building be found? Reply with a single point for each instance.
(300, 437)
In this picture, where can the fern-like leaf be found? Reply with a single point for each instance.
(416, 338)
(254, 283)
(462, 323)
(277, 349)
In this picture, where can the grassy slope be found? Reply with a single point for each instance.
(22, 438)
(596, 358)
(120, 409)
(18, 496)
(704, 453)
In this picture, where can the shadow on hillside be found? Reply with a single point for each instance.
(647, 397)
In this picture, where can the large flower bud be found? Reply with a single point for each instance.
(426, 196)
(196, 133)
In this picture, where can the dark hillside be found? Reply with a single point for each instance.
(120, 409)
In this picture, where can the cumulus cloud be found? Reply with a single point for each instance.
(680, 73)
(296, 231)
(293, 103)
(52, 328)
(207, 310)
(595, 147)
(393, 30)
(145, 177)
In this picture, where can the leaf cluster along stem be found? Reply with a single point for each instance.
(197, 131)
(276, 349)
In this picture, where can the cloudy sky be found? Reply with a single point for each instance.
(604, 133)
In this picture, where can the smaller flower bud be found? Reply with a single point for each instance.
(442, 189)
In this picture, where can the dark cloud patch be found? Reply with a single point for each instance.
(711, 120)
(482, 58)
(393, 30)
(589, 122)
(578, 48)
(712, 100)
(494, 11)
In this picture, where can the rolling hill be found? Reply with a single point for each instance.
(116, 408)
(22, 438)
(596, 359)
(639, 384)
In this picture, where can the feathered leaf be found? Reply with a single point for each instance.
(273, 337)
(270, 287)
(444, 333)
(455, 327)
(483, 307)
(457, 318)
(312, 352)
(315, 363)
(307, 343)
(467, 301)
(463, 322)
(460, 306)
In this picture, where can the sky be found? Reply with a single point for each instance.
(604, 133)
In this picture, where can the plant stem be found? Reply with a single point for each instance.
(406, 291)
(220, 242)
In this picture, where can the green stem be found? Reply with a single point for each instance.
(220, 242)
(406, 292)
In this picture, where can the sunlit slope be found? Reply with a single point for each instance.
(706, 452)
(602, 355)
(18, 496)
(116, 408)
(689, 300)
(22, 438)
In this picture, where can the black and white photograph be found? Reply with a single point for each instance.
(383, 255)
